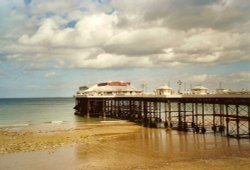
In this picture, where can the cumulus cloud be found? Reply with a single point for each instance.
(90, 31)
(126, 33)
(143, 41)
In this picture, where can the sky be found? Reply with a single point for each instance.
(48, 48)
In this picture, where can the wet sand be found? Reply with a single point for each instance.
(120, 146)
(27, 140)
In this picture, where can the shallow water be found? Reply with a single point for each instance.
(32, 111)
(39, 113)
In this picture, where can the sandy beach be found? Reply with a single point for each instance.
(119, 146)
(13, 141)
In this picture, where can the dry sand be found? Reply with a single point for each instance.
(120, 146)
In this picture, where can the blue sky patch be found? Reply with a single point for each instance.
(27, 2)
(71, 24)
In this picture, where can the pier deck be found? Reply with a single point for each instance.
(225, 114)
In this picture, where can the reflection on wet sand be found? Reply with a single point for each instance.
(135, 147)
(158, 148)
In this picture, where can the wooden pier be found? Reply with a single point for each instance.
(225, 114)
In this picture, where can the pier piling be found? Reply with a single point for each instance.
(227, 115)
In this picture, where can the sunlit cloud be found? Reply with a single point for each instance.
(132, 33)
(126, 34)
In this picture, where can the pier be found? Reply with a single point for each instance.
(228, 115)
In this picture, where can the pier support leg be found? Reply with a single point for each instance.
(196, 128)
(249, 121)
(222, 126)
(88, 109)
(145, 113)
(184, 125)
(227, 121)
(166, 115)
(179, 117)
(214, 124)
(237, 121)
(169, 115)
(192, 124)
(203, 129)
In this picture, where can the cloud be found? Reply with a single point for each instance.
(153, 33)
(143, 41)
(90, 31)
(188, 14)
(234, 81)
(212, 81)
(240, 77)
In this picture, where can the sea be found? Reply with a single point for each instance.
(37, 113)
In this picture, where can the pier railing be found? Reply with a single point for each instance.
(225, 114)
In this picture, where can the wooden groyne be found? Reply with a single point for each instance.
(225, 114)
